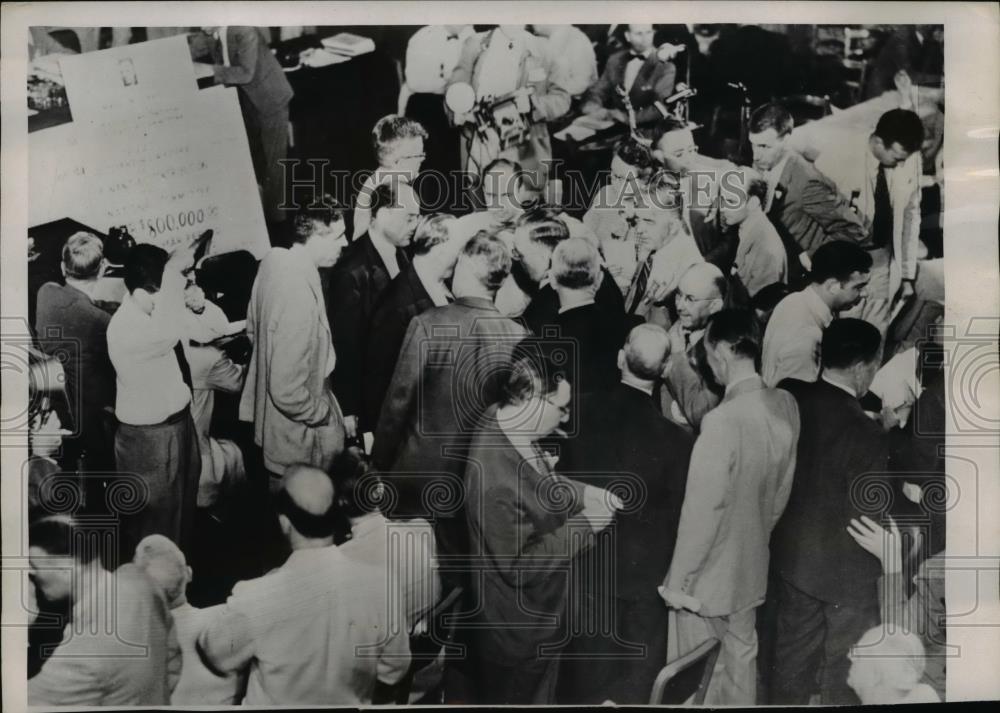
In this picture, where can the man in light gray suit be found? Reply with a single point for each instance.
(738, 484)
(287, 394)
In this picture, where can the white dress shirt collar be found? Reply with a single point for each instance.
(386, 251)
(578, 304)
(435, 288)
(773, 177)
(843, 387)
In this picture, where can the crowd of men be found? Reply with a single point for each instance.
(596, 442)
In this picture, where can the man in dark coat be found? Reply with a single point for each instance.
(416, 289)
(827, 585)
(646, 78)
(68, 319)
(355, 285)
(449, 370)
(624, 440)
(243, 59)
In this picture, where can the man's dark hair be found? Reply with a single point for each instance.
(756, 186)
(839, 259)
(57, 535)
(544, 226)
(772, 116)
(849, 341)
(326, 211)
(900, 126)
(384, 195)
(534, 371)
(635, 154)
(143, 267)
(354, 483)
(739, 329)
(767, 298)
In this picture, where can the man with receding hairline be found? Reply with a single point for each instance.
(301, 629)
(68, 314)
(622, 437)
(700, 294)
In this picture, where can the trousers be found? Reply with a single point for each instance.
(734, 681)
(158, 467)
(811, 644)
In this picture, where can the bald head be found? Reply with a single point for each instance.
(164, 563)
(700, 294)
(886, 665)
(646, 350)
(308, 488)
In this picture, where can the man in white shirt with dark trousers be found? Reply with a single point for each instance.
(156, 439)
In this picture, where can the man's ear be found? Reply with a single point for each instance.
(285, 524)
(62, 269)
(621, 359)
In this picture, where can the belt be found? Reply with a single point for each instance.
(170, 420)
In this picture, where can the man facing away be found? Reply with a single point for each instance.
(738, 483)
(287, 395)
(827, 596)
(68, 313)
(165, 564)
(623, 438)
(156, 438)
(448, 372)
(321, 629)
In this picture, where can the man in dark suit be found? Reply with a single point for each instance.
(355, 285)
(827, 586)
(449, 370)
(536, 236)
(243, 59)
(639, 69)
(595, 331)
(803, 204)
(416, 289)
(68, 317)
(622, 437)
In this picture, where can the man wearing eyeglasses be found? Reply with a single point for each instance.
(701, 293)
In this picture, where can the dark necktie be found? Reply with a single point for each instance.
(182, 362)
(640, 282)
(882, 220)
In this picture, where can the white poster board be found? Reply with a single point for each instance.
(168, 167)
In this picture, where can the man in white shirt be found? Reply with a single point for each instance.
(569, 45)
(212, 370)
(612, 213)
(839, 277)
(156, 439)
(321, 629)
(431, 56)
(398, 143)
(880, 172)
(165, 565)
